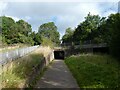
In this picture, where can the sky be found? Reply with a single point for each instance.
(64, 13)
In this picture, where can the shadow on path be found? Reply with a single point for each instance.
(57, 76)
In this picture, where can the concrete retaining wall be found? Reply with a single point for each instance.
(39, 68)
(48, 56)
(14, 54)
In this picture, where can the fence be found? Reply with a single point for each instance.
(14, 54)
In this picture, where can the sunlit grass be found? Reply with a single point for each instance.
(95, 71)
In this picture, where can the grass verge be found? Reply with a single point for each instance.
(19, 70)
(95, 71)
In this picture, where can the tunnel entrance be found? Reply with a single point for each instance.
(101, 50)
(59, 54)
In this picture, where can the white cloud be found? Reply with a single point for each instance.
(13, 17)
(27, 18)
(3, 6)
(89, 7)
(64, 15)
(61, 0)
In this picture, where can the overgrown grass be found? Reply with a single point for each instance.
(16, 76)
(95, 71)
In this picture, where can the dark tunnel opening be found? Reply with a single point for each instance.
(101, 50)
(59, 55)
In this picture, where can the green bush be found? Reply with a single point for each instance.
(47, 42)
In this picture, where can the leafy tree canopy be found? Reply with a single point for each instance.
(67, 38)
(49, 30)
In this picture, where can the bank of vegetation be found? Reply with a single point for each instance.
(20, 32)
(95, 71)
(16, 74)
(95, 30)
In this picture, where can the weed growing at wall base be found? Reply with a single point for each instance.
(16, 76)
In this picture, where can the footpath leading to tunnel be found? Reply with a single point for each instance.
(57, 76)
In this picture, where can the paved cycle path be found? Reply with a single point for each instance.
(57, 76)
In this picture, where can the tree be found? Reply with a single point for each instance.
(24, 32)
(16, 32)
(8, 29)
(90, 25)
(0, 25)
(0, 31)
(79, 35)
(88, 31)
(49, 31)
(36, 37)
(24, 27)
(113, 26)
(67, 38)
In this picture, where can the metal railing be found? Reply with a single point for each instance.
(14, 54)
